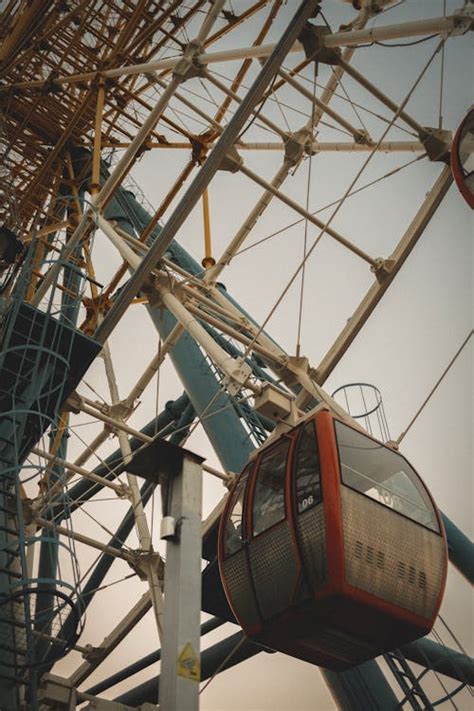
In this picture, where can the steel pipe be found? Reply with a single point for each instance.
(308, 215)
(419, 28)
(207, 171)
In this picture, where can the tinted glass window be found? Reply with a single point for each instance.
(384, 475)
(307, 470)
(234, 528)
(269, 503)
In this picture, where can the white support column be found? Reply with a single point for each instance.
(180, 666)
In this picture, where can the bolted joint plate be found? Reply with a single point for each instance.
(232, 161)
(297, 144)
(190, 65)
(382, 268)
(142, 561)
(237, 374)
(437, 144)
(294, 367)
(74, 403)
(312, 39)
(463, 20)
(120, 411)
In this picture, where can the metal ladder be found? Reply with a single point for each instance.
(408, 681)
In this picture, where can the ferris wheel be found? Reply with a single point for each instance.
(220, 221)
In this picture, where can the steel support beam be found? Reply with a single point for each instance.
(114, 464)
(350, 689)
(220, 421)
(363, 688)
(441, 659)
(268, 187)
(460, 549)
(378, 289)
(180, 666)
(316, 146)
(207, 172)
(457, 23)
(81, 538)
(97, 576)
(113, 550)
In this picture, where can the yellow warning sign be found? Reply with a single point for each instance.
(189, 665)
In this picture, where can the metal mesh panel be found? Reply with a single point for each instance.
(312, 534)
(390, 556)
(239, 585)
(272, 561)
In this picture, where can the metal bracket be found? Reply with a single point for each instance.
(463, 20)
(297, 144)
(437, 144)
(311, 38)
(382, 268)
(293, 366)
(142, 561)
(189, 65)
(74, 403)
(55, 692)
(238, 372)
(120, 411)
(231, 161)
(92, 653)
(361, 137)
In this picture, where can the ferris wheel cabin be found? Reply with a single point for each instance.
(462, 158)
(331, 548)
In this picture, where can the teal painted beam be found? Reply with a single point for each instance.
(362, 688)
(444, 660)
(460, 549)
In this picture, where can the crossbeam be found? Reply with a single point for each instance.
(458, 22)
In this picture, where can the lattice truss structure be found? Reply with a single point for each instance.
(207, 106)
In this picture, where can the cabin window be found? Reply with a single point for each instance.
(234, 537)
(307, 469)
(269, 500)
(384, 475)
